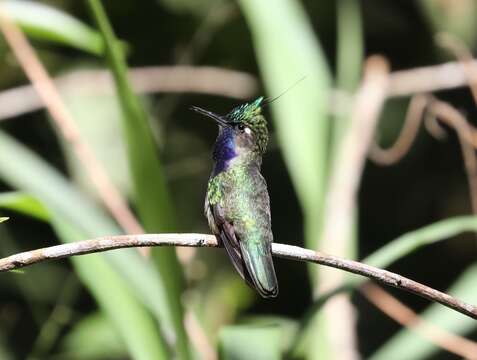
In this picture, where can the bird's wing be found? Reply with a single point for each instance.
(255, 238)
(226, 235)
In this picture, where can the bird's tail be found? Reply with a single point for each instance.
(259, 264)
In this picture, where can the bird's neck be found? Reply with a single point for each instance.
(227, 155)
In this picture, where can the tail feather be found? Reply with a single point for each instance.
(258, 261)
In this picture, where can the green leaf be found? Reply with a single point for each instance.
(301, 115)
(455, 17)
(116, 299)
(250, 342)
(31, 174)
(2, 219)
(23, 203)
(411, 241)
(101, 129)
(199, 7)
(288, 327)
(151, 193)
(5, 354)
(93, 337)
(287, 49)
(407, 345)
(44, 22)
(392, 252)
(150, 190)
(350, 44)
(349, 59)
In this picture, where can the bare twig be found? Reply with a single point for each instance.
(145, 80)
(466, 134)
(405, 139)
(463, 54)
(47, 91)
(217, 81)
(408, 318)
(352, 155)
(433, 126)
(445, 112)
(198, 337)
(203, 240)
(467, 137)
(446, 76)
(464, 130)
(341, 200)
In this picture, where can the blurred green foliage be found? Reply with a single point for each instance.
(119, 305)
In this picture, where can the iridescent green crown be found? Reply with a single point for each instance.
(250, 114)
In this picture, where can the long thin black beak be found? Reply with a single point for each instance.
(219, 119)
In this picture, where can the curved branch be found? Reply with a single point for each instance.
(406, 137)
(202, 240)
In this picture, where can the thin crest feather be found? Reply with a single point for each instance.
(269, 101)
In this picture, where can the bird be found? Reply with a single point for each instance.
(237, 203)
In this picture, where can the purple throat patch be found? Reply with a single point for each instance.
(224, 150)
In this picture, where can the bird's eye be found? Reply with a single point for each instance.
(245, 129)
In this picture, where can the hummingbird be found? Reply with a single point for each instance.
(237, 204)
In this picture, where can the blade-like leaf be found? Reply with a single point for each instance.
(28, 173)
(115, 298)
(250, 342)
(93, 337)
(288, 327)
(2, 219)
(300, 116)
(23, 203)
(150, 190)
(4, 351)
(350, 44)
(406, 345)
(411, 241)
(395, 250)
(101, 128)
(349, 59)
(454, 17)
(287, 49)
(44, 22)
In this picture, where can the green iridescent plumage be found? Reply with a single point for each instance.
(237, 205)
(250, 114)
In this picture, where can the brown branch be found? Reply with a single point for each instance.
(106, 243)
(425, 79)
(434, 128)
(467, 136)
(445, 112)
(351, 155)
(341, 201)
(406, 137)
(144, 80)
(408, 318)
(466, 133)
(464, 56)
(198, 337)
